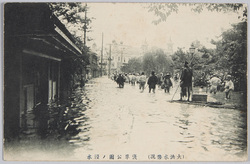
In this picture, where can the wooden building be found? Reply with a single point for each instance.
(38, 55)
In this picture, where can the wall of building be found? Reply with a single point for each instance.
(38, 64)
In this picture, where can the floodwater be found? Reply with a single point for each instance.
(125, 124)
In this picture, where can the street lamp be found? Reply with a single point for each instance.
(192, 50)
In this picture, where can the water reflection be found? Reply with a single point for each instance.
(53, 129)
(149, 122)
(210, 128)
(104, 118)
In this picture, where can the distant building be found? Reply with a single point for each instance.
(121, 54)
(92, 67)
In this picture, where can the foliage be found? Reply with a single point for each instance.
(154, 60)
(164, 64)
(232, 53)
(219, 7)
(74, 18)
(229, 57)
(157, 60)
(134, 65)
(179, 57)
(163, 10)
(148, 63)
(201, 61)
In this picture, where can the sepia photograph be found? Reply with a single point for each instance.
(125, 81)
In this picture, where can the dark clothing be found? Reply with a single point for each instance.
(186, 82)
(120, 81)
(152, 81)
(184, 91)
(167, 83)
(186, 77)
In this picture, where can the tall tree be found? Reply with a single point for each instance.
(163, 64)
(179, 57)
(232, 53)
(148, 63)
(156, 60)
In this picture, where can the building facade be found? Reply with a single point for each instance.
(93, 67)
(38, 62)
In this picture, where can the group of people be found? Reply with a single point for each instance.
(216, 84)
(165, 82)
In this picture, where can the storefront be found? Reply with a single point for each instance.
(38, 51)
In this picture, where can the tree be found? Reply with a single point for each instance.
(163, 64)
(163, 10)
(74, 17)
(148, 63)
(199, 61)
(232, 53)
(134, 65)
(156, 60)
(179, 57)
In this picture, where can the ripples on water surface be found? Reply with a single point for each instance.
(122, 121)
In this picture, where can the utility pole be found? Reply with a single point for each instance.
(121, 56)
(109, 60)
(102, 54)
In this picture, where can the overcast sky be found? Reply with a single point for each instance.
(131, 24)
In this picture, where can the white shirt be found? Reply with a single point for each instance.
(229, 84)
(215, 81)
(142, 78)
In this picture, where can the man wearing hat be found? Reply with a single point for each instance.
(152, 81)
(229, 86)
(186, 81)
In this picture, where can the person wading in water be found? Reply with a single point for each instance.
(186, 81)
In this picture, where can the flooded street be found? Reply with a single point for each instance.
(67, 72)
(128, 122)
(125, 124)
